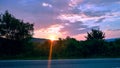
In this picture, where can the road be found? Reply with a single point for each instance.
(67, 63)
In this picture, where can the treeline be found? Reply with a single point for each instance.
(94, 47)
(15, 43)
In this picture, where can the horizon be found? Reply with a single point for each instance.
(62, 18)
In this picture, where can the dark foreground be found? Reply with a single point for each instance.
(68, 63)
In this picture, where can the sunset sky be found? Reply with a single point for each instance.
(61, 18)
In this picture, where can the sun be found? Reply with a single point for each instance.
(52, 38)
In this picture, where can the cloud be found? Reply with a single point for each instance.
(46, 5)
(74, 3)
(53, 30)
(101, 1)
(72, 17)
(75, 16)
(100, 20)
(77, 28)
(73, 28)
(113, 30)
(95, 13)
(112, 33)
(83, 17)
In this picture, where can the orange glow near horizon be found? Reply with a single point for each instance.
(52, 32)
(52, 37)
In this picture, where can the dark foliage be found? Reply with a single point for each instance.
(14, 29)
(95, 35)
(14, 35)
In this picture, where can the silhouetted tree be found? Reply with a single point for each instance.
(95, 35)
(14, 29)
(14, 35)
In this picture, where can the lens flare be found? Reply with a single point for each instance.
(50, 55)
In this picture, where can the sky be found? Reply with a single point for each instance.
(61, 18)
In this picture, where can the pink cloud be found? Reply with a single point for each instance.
(53, 30)
(80, 37)
(74, 3)
(112, 33)
(83, 17)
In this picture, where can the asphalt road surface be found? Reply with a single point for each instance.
(67, 63)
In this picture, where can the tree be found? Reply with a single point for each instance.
(14, 29)
(14, 35)
(95, 35)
